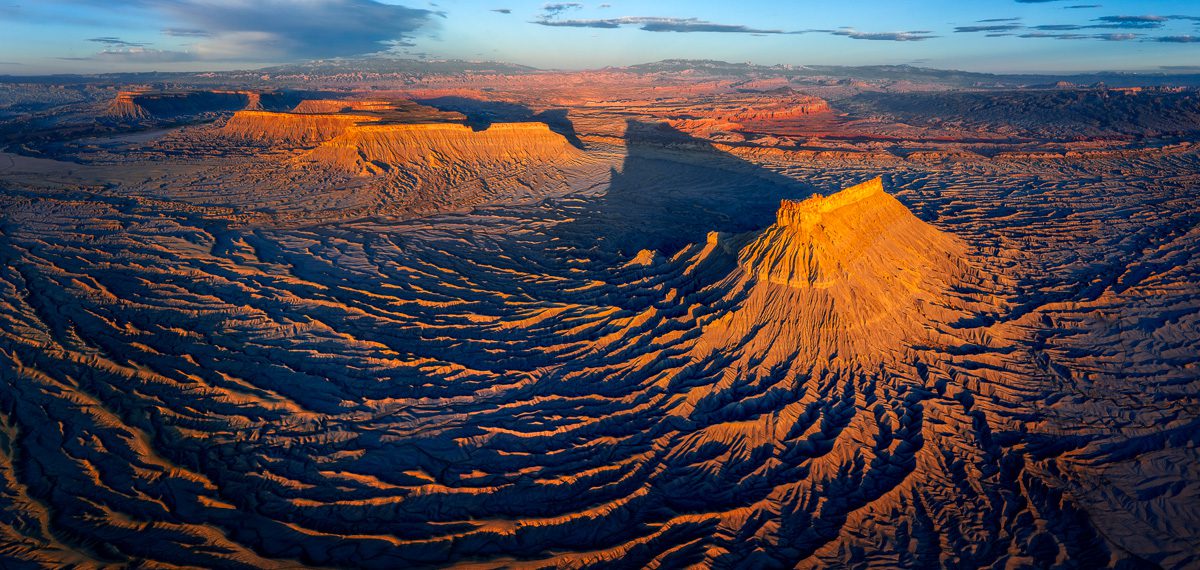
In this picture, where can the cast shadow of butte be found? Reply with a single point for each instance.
(481, 114)
(671, 191)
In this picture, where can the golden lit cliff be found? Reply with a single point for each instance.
(442, 146)
(290, 128)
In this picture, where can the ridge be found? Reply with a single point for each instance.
(792, 212)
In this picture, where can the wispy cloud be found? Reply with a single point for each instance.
(658, 24)
(1007, 27)
(913, 36)
(1178, 39)
(554, 9)
(502, 10)
(1120, 19)
(692, 25)
(137, 55)
(1073, 36)
(992, 28)
(186, 33)
(1053, 36)
(115, 41)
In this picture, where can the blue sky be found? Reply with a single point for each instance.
(55, 36)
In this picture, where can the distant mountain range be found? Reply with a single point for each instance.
(416, 67)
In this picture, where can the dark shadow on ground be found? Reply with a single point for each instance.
(671, 191)
(481, 114)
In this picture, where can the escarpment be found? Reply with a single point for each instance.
(444, 147)
(319, 120)
(289, 128)
(325, 106)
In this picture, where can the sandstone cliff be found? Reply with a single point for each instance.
(289, 128)
(442, 146)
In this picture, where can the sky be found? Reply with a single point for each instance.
(1005, 36)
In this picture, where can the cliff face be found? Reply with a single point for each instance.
(319, 120)
(290, 128)
(446, 147)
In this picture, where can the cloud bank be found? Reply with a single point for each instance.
(550, 13)
(269, 30)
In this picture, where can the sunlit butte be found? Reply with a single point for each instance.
(366, 284)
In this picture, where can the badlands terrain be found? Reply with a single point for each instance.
(360, 314)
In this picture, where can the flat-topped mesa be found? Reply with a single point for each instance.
(807, 212)
(324, 106)
(448, 146)
(290, 128)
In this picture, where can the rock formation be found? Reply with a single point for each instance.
(123, 106)
(319, 120)
(859, 237)
(145, 104)
(849, 273)
(444, 147)
(289, 128)
(322, 106)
